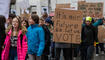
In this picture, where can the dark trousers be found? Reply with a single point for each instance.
(44, 57)
(87, 52)
(13, 54)
(67, 53)
(101, 45)
(76, 51)
(46, 52)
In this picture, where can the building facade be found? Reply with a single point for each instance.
(40, 5)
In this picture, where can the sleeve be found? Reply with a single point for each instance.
(95, 34)
(96, 24)
(41, 35)
(82, 34)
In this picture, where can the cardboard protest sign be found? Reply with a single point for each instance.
(91, 9)
(25, 15)
(62, 5)
(67, 26)
(101, 34)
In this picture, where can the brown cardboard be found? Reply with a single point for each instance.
(62, 5)
(91, 9)
(101, 34)
(67, 26)
(25, 15)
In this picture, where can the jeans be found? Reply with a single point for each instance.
(67, 53)
(33, 57)
(87, 52)
(13, 54)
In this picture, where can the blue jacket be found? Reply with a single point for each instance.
(36, 40)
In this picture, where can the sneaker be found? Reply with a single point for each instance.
(102, 52)
(97, 54)
(74, 58)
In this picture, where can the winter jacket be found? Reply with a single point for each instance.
(21, 46)
(36, 39)
(47, 40)
(88, 35)
(47, 35)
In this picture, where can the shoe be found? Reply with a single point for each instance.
(97, 54)
(102, 52)
(74, 58)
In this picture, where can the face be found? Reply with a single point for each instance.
(9, 21)
(88, 22)
(41, 22)
(24, 23)
(47, 24)
(103, 21)
(15, 23)
(31, 22)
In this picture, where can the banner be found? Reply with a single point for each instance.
(4, 7)
(67, 26)
(91, 9)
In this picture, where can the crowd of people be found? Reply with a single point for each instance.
(32, 39)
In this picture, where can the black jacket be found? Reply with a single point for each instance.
(47, 35)
(89, 35)
(47, 40)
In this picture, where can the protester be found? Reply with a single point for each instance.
(25, 22)
(2, 32)
(47, 40)
(49, 24)
(57, 47)
(45, 15)
(36, 38)
(88, 37)
(15, 45)
(101, 45)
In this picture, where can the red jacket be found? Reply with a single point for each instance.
(21, 50)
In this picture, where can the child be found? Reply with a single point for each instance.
(36, 38)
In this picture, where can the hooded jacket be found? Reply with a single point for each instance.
(36, 39)
(21, 45)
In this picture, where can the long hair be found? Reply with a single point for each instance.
(2, 22)
(26, 21)
(10, 27)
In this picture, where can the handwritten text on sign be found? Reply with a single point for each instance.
(101, 34)
(67, 26)
(91, 9)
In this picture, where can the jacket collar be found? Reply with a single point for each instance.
(20, 32)
(35, 25)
